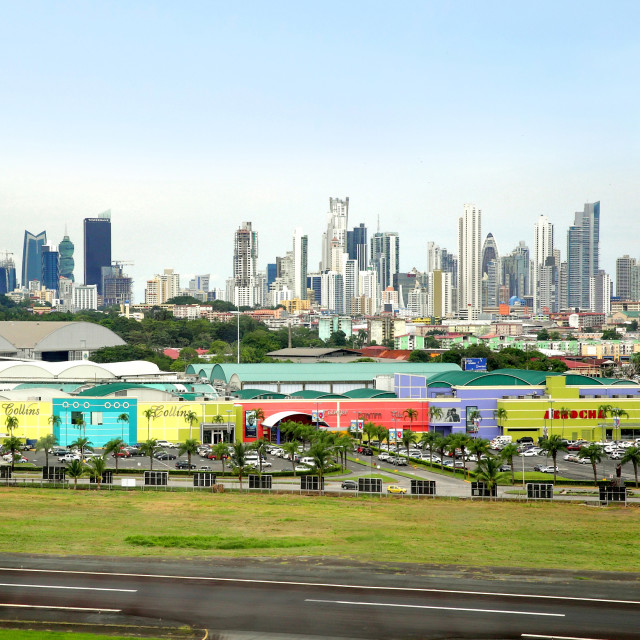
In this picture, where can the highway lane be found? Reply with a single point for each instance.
(365, 605)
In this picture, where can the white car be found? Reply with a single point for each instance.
(436, 459)
(70, 457)
(529, 453)
(384, 455)
(166, 444)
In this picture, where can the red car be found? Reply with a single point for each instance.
(212, 456)
(123, 453)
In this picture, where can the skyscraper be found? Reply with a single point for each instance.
(336, 232)
(50, 267)
(245, 260)
(67, 263)
(357, 246)
(385, 257)
(32, 256)
(469, 261)
(623, 277)
(583, 254)
(300, 249)
(7, 274)
(542, 249)
(97, 248)
(489, 252)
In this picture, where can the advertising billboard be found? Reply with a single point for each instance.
(472, 425)
(450, 414)
(475, 364)
(250, 426)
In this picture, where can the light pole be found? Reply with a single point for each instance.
(238, 330)
(229, 412)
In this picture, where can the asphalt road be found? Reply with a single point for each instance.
(316, 600)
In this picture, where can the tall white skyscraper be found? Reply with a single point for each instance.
(336, 233)
(470, 262)
(245, 259)
(542, 249)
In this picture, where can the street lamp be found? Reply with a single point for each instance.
(229, 412)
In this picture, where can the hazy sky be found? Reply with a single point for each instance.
(186, 118)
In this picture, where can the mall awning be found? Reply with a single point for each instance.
(276, 418)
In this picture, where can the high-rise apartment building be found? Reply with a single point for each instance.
(440, 294)
(600, 293)
(515, 272)
(336, 233)
(470, 262)
(332, 292)
(162, 287)
(97, 248)
(300, 253)
(583, 254)
(542, 250)
(32, 256)
(245, 263)
(623, 277)
(385, 257)
(357, 246)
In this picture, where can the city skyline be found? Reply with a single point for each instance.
(239, 120)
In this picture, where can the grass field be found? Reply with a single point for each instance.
(16, 634)
(558, 535)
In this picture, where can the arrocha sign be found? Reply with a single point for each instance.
(582, 414)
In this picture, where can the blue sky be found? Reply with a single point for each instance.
(187, 118)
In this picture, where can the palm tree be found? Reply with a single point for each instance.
(149, 448)
(501, 416)
(479, 447)
(442, 445)
(75, 470)
(408, 438)
(411, 414)
(260, 446)
(342, 447)
(123, 419)
(474, 417)
(594, 453)
(488, 471)
(429, 440)
(81, 444)
(383, 435)
(460, 441)
(45, 443)
(507, 453)
(190, 447)
(239, 459)
(291, 449)
(191, 417)
(11, 422)
(370, 430)
(221, 451)
(321, 455)
(435, 413)
(632, 455)
(564, 414)
(218, 419)
(553, 445)
(114, 446)
(605, 410)
(149, 414)
(98, 466)
(13, 444)
(55, 422)
(259, 413)
(616, 414)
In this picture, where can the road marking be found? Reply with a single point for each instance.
(424, 606)
(46, 606)
(320, 584)
(530, 635)
(50, 586)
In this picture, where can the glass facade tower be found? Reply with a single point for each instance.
(97, 248)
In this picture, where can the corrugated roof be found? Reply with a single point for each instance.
(316, 371)
(369, 393)
(257, 394)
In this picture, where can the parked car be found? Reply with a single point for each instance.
(529, 453)
(123, 453)
(395, 488)
(167, 444)
(549, 469)
(383, 455)
(302, 468)
(457, 464)
(61, 451)
(365, 451)
(505, 467)
(164, 455)
(135, 452)
(349, 485)
(398, 461)
(70, 457)
(184, 464)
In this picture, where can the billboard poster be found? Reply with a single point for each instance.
(451, 415)
(392, 434)
(473, 426)
(360, 425)
(250, 426)
(353, 426)
(317, 416)
(475, 364)
(398, 434)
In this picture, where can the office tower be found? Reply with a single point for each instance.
(440, 294)
(97, 248)
(489, 252)
(563, 287)
(50, 267)
(600, 293)
(491, 283)
(200, 282)
(547, 286)
(67, 263)
(116, 285)
(583, 254)
(300, 248)
(634, 285)
(357, 246)
(403, 283)
(337, 220)
(515, 272)
(349, 280)
(418, 301)
(245, 262)
(385, 257)
(7, 273)
(332, 292)
(272, 272)
(65, 295)
(542, 249)
(469, 261)
(434, 258)
(623, 277)
(85, 297)
(32, 256)
(314, 284)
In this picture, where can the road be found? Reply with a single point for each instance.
(318, 600)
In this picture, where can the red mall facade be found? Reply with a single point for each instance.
(334, 415)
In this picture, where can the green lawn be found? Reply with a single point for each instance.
(554, 535)
(15, 634)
